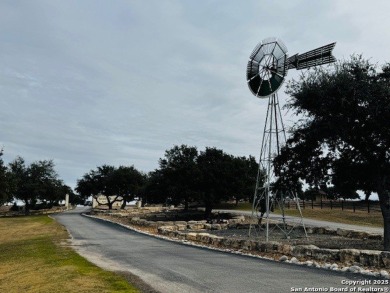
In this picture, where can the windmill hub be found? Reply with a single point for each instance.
(267, 67)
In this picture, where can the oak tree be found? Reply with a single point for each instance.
(343, 136)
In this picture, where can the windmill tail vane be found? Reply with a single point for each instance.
(319, 56)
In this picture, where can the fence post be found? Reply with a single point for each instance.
(342, 205)
(321, 203)
(312, 205)
(331, 204)
(354, 209)
(303, 203)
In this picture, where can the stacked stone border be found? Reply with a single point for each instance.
(369, 262)
(53, 210)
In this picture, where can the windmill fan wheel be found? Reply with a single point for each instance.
(266, 67)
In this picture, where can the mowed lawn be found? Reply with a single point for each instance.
(34, 258)
(346, 216)
(361, 218)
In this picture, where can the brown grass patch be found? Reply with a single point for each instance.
(32, 260)
(363, 218)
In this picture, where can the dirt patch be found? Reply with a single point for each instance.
(137, 282)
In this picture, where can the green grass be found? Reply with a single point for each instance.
(34, 260)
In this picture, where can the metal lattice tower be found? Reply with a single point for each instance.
(268, 65)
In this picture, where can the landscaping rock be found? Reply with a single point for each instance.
(385, 259)
(304, 250)
(247, 244)
(294, 260)
(181, 227)
(334, 266)
(191, 236)
(343, 232)
(370, 258)
(349, 256)
(355, 269)
(283, 258)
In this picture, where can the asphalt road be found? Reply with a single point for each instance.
(174, 267)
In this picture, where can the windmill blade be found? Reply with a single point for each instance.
(319, 56)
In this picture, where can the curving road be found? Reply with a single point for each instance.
(174, 267)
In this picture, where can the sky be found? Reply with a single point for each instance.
(93, 82)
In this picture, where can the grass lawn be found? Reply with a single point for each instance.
(32, 259)
(362, 218)
(372, 219)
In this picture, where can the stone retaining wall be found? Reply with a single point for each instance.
(349, 257)
(368, 258)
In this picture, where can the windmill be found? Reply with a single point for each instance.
(266, 70)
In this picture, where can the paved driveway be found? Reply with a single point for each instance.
(174, 267)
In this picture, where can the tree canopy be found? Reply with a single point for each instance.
(343, 137)
(180, 171)
(37, 181)
(4, 186)
(206, 177)
(116, 184)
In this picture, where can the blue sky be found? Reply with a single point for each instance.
(91, 82)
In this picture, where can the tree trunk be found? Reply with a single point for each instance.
(207, 211)
(124, 203)
(384, 201)
(109, 205)
(367, 195)
(26, 207)
(186, 204)
(386, 227)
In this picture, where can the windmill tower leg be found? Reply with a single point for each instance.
(265, 198)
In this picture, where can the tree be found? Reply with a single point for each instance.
(33, 182)
(55, 191)
(343, 138)
(207, 177)
(244, 174)
(155, 189)
(216, 178)
(96, 183)
(180, 170)
(4, 184)
(113, 183)
(85, 186)
(126, 182)
(74, 198)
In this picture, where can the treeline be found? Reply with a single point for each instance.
(32, 183)
(185, 175)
